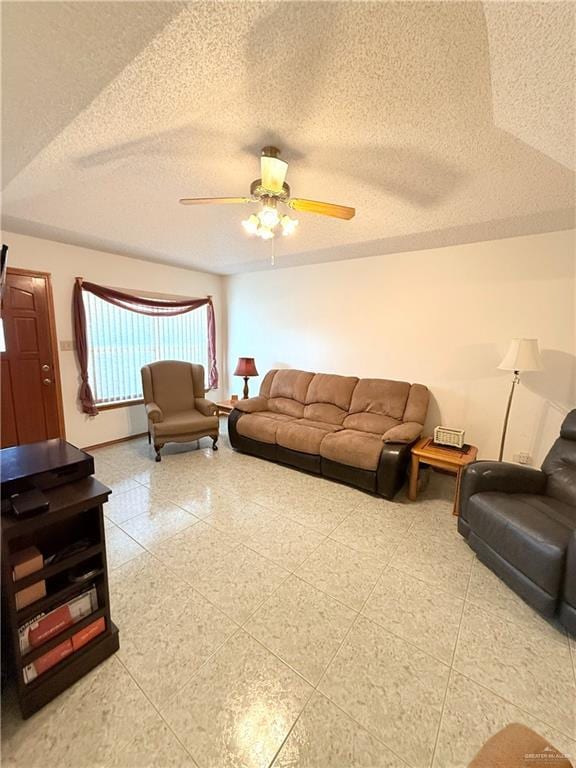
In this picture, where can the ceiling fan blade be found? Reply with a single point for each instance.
(214, 200)
(273, 171)
(324, 209)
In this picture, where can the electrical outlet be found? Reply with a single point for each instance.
(523, 458)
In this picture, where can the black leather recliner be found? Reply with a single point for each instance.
(521, 522)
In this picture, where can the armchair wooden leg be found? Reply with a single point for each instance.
(157, 448)
(149, 438)
(214, 441)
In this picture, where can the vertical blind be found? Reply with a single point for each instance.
(120, 342)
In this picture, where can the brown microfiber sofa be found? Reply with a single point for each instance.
(358, 431)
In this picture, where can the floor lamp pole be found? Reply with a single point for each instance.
(515, 380)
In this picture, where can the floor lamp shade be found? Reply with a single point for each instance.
(522, 355)
(245, 367)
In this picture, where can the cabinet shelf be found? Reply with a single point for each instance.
(55, 568)
(35, 653)
(58, 678)
(54, 599)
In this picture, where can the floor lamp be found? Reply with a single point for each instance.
(522, 355)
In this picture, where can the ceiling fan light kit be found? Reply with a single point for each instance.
(269, 190)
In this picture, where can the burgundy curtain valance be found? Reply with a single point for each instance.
(143, 305)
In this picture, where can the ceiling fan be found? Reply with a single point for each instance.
(270, 190)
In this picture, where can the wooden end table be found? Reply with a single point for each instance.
(225, 407)
(449, 459)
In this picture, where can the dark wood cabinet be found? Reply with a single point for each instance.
(75, 516)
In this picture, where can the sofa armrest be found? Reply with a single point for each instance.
(252, 404)
(504, 477)
(403, 433)
(206, 407)
(154, 413)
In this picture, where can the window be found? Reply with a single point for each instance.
(121, 342)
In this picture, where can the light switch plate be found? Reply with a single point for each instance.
(67, 346)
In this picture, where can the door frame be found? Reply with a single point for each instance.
(47, 276)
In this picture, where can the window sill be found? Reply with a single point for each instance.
(119, 404)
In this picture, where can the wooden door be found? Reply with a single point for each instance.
(31, 401)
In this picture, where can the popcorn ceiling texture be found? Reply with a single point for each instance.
(442, 123)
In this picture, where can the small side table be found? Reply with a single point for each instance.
(450, 459)
(225, 407)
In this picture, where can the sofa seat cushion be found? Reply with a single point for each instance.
(353, 448)
(183, 423)
(319, 425)
(275, 416)
(261, 426)
(530, 532)
(303, 435)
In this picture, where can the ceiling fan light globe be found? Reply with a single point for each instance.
(265, 233)
(251, 224)
(288, 225)
(269, 217)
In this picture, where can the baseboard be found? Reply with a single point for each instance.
(113, 442)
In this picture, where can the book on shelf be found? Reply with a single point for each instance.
(60, 652)
(46, 625)
(48, 660)
(31, 594)
(24, 563)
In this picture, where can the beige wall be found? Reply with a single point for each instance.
(442, 317)
(65, 262)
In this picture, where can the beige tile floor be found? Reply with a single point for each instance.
(272, 618)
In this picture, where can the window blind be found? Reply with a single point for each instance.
(120, 342)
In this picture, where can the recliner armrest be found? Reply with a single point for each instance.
(504, 477)
(154, 413)
(206, 407)
(252, 404)
(403, 433)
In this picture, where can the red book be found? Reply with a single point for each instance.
(88, 633)
(48, 660)
(47, 625)
(51, 624)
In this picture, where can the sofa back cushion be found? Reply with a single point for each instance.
(267, 383)
(328, 398)
(377, 405)
(288, 392)
(417, 404)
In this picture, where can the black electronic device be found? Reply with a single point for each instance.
(41, 466)
(28, 503)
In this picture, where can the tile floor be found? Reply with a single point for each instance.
(272, 618)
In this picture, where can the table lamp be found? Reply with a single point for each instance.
(522, 355)
(245, 367)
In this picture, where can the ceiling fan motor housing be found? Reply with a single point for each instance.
(258, 191)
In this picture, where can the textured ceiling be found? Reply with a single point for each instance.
(441, 123)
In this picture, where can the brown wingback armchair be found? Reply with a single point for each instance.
(176, 407)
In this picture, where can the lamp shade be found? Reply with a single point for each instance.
(245, 367)
(522, 355)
